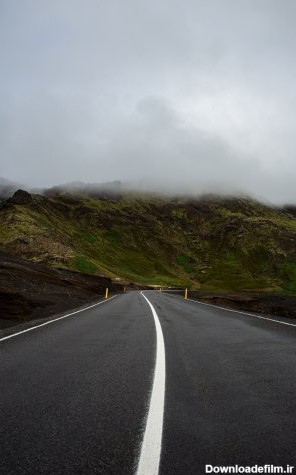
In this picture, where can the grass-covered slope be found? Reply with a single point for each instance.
(211, 243)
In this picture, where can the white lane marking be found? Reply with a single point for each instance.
(235, 311)
(54, 320)
(151, 444)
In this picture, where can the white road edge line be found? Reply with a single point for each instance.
(55, 320)
(234, 311)
(151, 443)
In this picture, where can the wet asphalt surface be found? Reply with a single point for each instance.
(74, 394)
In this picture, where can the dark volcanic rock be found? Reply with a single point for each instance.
(14, 305)
(21, 197)
(291, 209)
(29, 290)
(277, 305)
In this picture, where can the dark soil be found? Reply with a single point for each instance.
(279, 305)
(32, 291)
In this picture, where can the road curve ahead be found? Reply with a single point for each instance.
(97, 393)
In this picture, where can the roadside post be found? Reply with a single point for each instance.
(186, 294)
(107, 292)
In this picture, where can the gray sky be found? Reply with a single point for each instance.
(184, 95)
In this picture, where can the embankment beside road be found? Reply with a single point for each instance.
(30, 291)
(279, 305)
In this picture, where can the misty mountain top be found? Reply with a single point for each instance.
(117, 190)
(8, 188)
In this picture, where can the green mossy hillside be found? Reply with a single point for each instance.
(209, 243)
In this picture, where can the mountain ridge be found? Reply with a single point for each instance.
(211, 243)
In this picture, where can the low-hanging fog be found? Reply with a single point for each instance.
(172, 95)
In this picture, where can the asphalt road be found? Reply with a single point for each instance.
(75, 394)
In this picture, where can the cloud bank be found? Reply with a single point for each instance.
(191, 95)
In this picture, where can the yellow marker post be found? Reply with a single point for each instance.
(107, 292)
(186, 294)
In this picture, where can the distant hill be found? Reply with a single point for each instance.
(85, 189)
(212, 243)
(8, 188)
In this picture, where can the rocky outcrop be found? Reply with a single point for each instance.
(21, 197)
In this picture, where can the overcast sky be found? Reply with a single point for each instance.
(192, 95)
